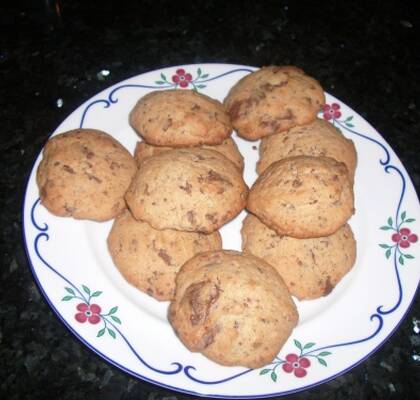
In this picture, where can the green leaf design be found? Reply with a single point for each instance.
(112, 333)
(274, 376)
(349, 125)
(401, 260)
(349, 118)
(322, 362)
(200, 86)
(388, 253)
(390, 222)
(198, 72)
(384, 246)
(324, 353)
(96, 294)
(308, 345)
(403, 216)
(113, 310)
(386, 228)
(265, 371)
(409, 256)
(67, 298)
(204, 76)
(116, 319)
(163, 77)
(101, 332)
(410, 220)
(159, 82)
(298, 344)
(86, 289)
(70, 290)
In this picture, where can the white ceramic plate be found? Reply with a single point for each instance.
(73, 269)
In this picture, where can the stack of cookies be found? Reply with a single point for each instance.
(185, 182)
(303, 197)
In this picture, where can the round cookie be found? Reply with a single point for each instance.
(273, 99)
(194, 189)
(303, 196)
(84, 174)
(319, 138)
(150, 259)
(233, 308)
(310, 268)
(179, 118)
(228, 148)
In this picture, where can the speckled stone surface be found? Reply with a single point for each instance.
(51, 52)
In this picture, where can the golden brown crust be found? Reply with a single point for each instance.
(310, 268)
(150, 259)
(196, 190)
(84, 174)
(180, 118)
(318, 138)
(228, 148)
(272, 100)
(303, 196)
(233, 308)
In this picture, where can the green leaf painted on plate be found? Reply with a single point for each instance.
(113, 310)
(112, 333)
(390, 221)
(163, 77)
(200, 86)
(96, 294)
(67, 298)
(324, 353)
(349, 125)
(409, 220)
(388, 253)
(401, 260)
(116, 319)
(70, 290)
(386, 228)
(409, 256)
(198, 72)
(274, 376)
(322, 362)
(298, 344)
(308, 345)
(265, 371)
(204, 76)
(349, 118)
(86, 289)
(403, 216)
(384, 246)
(159, 82)
(101, 332)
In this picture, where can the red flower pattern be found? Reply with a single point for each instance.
(296, 364)
(331, 111)
(182, 78)
(88, 313)
(404, 237)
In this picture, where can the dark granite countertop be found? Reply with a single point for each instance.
(51, 55)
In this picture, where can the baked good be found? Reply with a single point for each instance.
(303, 196)
(310, 268)
(150, 259)
(228, 148)
(84, 174)
(179, 118)
(272, 100)
(194, 189)
(318, 138)
(233, 308)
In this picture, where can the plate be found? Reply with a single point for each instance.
(71, 264)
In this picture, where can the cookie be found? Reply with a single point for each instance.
(228, 148)
(194, 189)
(303, 196)
(84, 174)
(179, 118)
(272, 100)
(319, 138)
(310, 268)
(233, 308)
(150, 259)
